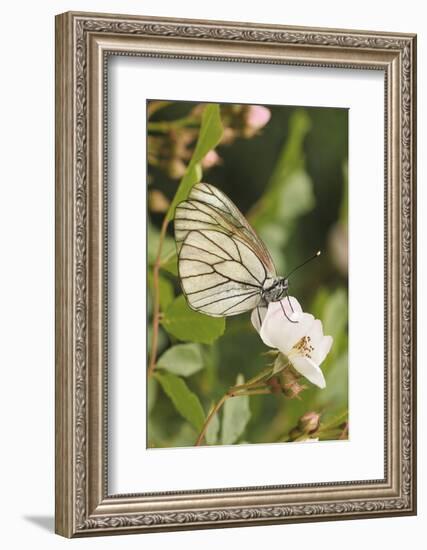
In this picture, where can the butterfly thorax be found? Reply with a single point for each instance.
(274, 289)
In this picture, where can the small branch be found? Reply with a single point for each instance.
(209, 418)
(165, 127)
(335, 422)
(258, 378)
(235, 391)
(344, 434)
(256, 391)
(156, 300)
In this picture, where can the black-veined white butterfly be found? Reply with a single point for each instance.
(224, 267)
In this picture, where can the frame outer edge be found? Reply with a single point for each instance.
(413, 256)
(64, 276)
(74, 512)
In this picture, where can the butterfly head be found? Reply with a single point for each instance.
(274, 289)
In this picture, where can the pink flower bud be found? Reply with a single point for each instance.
(210, 159)
(257, 116)
(309, 422)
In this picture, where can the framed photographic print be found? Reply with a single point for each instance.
(235, 276)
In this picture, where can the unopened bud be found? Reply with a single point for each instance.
(257, 116)
(309, 423)
(176, 168)
(289, 381)
(157, 201)
(291, 391)
(210, 159)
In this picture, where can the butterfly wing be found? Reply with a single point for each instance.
(222, 263)
(208, 208)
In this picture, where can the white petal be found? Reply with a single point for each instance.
(278, 332)
(293, 307)
(258, 316)
(309, 369)
(315, 333)
(322, 349)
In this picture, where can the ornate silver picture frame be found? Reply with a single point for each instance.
(84, 42)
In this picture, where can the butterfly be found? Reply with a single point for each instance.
(224, 267)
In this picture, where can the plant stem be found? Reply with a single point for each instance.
(335, 422)
(165, 126)
(209, 418)
(232, 392)
(156, 300)
(263, 374)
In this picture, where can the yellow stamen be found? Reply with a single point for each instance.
(303, 347)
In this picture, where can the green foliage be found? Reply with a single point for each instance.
(166, 291)
(289, 192)
(153, 236)
(184, 400)
(190, 326)
(151, 393)
(343, 215)
(170, 264)
(235, 417)
(182, 359)
(335, 319)
(290, 180)
(212, 432)
(335, 313)
(210, 133)
(331, 427)
(163, 340)
(296, 197)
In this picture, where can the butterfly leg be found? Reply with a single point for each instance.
(289, 302)
(285, 314)
(259, 316)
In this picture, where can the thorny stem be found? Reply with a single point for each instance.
(156, 300)
(235, 391)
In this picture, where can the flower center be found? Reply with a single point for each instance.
(303, 347)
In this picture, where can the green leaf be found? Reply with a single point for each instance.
(153, 237)
(166, 292)
(289, 191)
(335, 313)
(170, 264)
(184, 400)
(212, 431)
(291, 158)
(188, 325)
(151, 393)
(335, 422)
(296, 197)
(343, 215)
(235, 417)
(182, 359)
(211, 130)
(162, 342)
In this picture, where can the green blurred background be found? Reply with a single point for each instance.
(290, 179)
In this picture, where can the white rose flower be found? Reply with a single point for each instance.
(298, 335)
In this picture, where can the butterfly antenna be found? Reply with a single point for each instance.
(303, 263)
